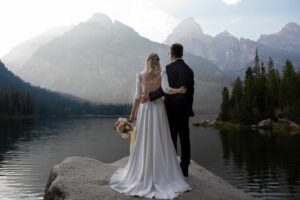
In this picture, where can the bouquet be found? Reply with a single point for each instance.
(124, 127)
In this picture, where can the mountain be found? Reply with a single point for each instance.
(49, 103)
(288, 38)
(97, 60)
(225, 50)
(189, 28)
(18, 55)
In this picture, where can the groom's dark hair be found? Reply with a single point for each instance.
(177, 50)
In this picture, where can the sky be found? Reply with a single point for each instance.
(155, 19)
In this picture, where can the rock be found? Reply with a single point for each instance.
(293, 125)
(204, 123)
(212, 123)
(289, 124)
(83, 178)
(265, 124)
(197, 124)
(253, 127)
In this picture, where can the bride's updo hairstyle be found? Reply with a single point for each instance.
(152, 67)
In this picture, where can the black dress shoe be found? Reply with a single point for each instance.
(186, 174)
(184, 170)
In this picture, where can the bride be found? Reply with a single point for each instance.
(153, 169)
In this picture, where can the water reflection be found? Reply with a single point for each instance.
(11, 132)
(29, 149)
(262, 164)
(270, 161)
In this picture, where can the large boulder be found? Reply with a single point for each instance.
(82, 178)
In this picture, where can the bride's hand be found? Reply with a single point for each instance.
(182, 90)
(145, 98)
(132, 118)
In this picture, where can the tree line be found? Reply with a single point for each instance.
(265, 92)
(16, 103)
(20, 98)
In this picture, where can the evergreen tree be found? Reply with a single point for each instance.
(288, 89)
(224, 115)
(237, 100)
(261, 90)
(256, 70)
(270, 65)
(249, 90)
(272, 91)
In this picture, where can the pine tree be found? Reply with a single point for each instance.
(288, 89)
(224, 115)
(251, 112)
(237, 99)
(270, 65)
(261, 91)
(256, 70)
(272, 91)
(249, 90)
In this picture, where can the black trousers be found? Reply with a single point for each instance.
(179, 125)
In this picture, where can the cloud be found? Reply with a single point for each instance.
(152, 19)
(231, 2)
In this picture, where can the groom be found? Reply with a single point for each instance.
(178, 106)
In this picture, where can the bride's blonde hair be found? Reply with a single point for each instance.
(152, 66)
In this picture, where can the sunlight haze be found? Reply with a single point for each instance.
(21, 20)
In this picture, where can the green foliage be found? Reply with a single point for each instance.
(237, 99)
(288, 86)
(262, 92)
(272, 89)
(225, 105)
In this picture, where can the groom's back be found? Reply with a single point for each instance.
(180, 74)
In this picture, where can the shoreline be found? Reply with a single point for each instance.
(275, 126)
(21, 117)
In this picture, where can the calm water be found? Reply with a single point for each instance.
(262, 164)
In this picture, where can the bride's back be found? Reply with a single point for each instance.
(149, 85)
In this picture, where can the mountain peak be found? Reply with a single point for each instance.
(189, 27)
(100, 18)
(291, 27)
(224, 34)
(226, 38)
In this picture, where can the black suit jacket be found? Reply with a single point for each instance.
(179, 74)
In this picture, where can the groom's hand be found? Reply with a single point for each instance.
(145, 98)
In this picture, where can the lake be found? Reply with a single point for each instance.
(263, 164)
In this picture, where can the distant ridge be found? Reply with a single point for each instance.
(97, 60)
(233, 54)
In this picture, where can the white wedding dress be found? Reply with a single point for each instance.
(153, 167)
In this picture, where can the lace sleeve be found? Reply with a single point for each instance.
(138, 87)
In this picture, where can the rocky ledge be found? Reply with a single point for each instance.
(83, 178)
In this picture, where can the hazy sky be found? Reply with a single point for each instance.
(20, 19)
